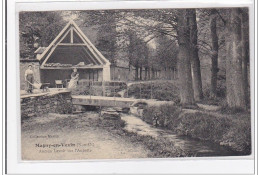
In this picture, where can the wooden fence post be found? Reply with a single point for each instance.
(140, 90)
(126, 90)
(103, 90)
(151, 90)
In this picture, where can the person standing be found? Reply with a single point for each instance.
(74, 79)
(29, 78)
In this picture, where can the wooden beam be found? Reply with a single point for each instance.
(86, 67)
(54, 47)
(71, 35)
(55, 40)
(88, 45)
(91, 56)
(86, 55)
(88, 41)
(72, 44)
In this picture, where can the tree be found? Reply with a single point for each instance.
(137, 53)
(214, 55)
(38, 27)
(195, 61)
(236, 96)
(184, 62)
(166, 54)
(245, 52)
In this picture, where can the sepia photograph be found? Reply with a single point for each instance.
(134, 83)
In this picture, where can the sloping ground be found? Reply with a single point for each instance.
(233, 130)
(79, 138)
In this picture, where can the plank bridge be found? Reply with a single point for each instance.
(103, 101)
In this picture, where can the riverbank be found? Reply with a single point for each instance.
(232, 130)
(97, 138)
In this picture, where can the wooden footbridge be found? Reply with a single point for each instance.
(103, 101)
(111, 101)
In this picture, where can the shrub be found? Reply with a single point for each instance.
(239, 134)
(221, 89)
(203, 126)
(225, 109)
(166, 115)
(161, 90)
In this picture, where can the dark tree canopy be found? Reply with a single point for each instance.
(38, 27)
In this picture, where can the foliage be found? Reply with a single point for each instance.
(38, 27)
(229, 130)
(166, 115)
(161, 90)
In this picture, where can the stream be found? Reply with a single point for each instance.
(196, 147)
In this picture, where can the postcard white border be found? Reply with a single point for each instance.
(184, 165)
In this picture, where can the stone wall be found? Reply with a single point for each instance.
(24, 63)
(37, 105)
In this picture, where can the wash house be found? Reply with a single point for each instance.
(72, 49)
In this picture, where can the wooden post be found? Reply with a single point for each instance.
(140, 90)
(151, 90)
(103, 90)
(93, 74)
(126, 90)
(90, 89)
(114, 95)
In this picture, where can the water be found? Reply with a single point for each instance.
(194, 146)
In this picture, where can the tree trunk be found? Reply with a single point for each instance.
(141, 72)
(149, 73)
(153, 73)
(234, 75)
(214, 56)
(172, 74)
(146, 73)
(136, 73)
(245, 54)
(195, 61)
(185, 79)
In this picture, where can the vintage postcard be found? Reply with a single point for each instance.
(134, 83)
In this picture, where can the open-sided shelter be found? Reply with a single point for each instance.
(72, 49)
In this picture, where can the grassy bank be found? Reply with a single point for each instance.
(231, 130)
(159, 148)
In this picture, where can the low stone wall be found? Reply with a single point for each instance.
(36, 105)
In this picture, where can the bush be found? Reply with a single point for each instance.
(166, 115)
(203, 126)
(161, 90)
(239, 134)
(221, 90)
(225, 109)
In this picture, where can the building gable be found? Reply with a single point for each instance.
(72, 47)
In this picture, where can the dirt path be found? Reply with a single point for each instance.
(73, 138)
